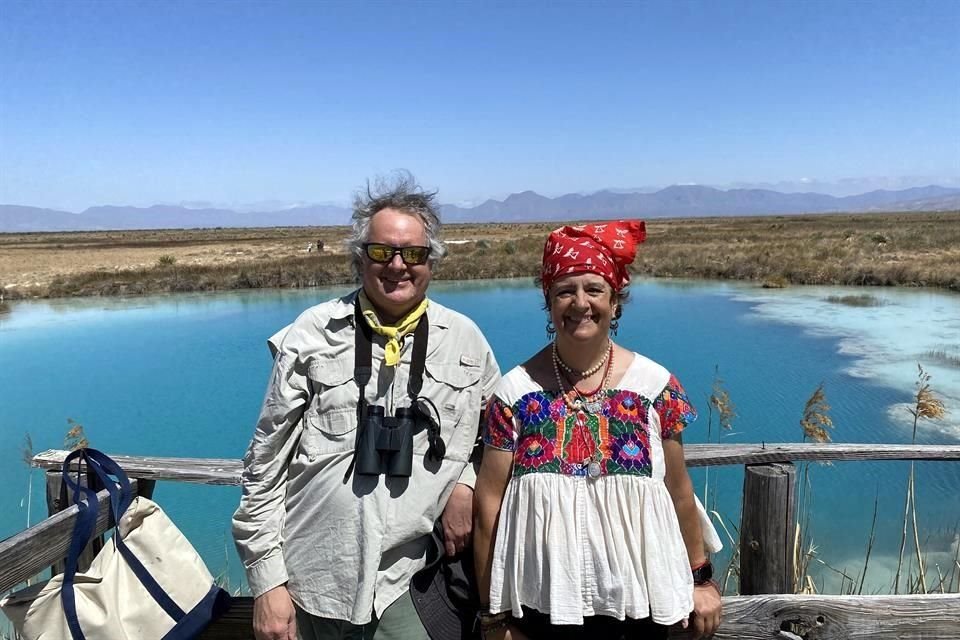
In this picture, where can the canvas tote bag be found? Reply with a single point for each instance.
(147, 583)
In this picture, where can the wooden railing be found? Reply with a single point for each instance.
(766, 545)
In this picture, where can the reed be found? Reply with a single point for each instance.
(815, 423)
(926, 406)
(75, 437)
(719, 401)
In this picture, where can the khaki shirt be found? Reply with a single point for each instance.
(347, 549)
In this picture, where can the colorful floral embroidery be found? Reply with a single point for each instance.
(631, 452)
(553, 439)
(674, 409)
(537, 450)
(533, 409)
(498, 428)
(625, 405)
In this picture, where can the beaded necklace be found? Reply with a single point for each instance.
(588, 372)
(589, 401)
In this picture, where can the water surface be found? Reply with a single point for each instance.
(185, 375)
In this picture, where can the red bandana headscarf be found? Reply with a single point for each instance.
(604, 248)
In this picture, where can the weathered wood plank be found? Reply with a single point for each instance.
(29, 552)
(767, 528)
(236, 624)
(227, 472)
(931, 617)
(198, 470)
(769, 617)
(701, 455)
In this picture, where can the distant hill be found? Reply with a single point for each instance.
(22, 219)
(696, 201)
(672, 202)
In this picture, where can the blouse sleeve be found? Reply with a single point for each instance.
(674, 409)
(498, 431)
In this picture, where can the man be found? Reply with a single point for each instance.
(330, 529)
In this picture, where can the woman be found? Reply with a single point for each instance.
(586, 520)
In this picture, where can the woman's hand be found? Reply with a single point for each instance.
(706, 609)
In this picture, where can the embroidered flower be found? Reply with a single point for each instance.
(534, 451)
(626, 406)
(534, 408)
(632, 452)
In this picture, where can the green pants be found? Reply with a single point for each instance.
(399, 622)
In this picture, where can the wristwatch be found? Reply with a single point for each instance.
(490, 622)
(702, 573)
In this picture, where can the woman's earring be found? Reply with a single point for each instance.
(614, 325)
(551, 330)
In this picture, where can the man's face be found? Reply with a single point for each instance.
(395, 288)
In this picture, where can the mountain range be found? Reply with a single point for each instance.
(671, 202)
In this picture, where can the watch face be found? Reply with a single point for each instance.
(703, 573)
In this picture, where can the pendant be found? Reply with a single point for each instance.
(593, 464)
(593, 406)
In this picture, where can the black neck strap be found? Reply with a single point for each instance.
(363, 356)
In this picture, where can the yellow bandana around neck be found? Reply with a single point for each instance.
(393, 333)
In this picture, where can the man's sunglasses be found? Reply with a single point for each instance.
(383, 253)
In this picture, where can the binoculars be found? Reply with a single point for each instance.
(385, 443)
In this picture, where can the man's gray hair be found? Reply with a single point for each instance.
(400, 192)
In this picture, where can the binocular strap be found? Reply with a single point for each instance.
(363, 365)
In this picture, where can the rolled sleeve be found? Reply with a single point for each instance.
(469, 475)
(258, 521)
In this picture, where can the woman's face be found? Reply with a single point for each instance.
(582, 306)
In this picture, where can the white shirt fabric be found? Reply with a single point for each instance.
(348, 549)
(573, 546)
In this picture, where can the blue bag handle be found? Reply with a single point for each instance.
(89, 509)
(121, 497)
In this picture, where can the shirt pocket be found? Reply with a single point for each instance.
(455, 391)
(330, 422)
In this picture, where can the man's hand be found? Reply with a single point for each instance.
(706, 610)
(457, 519)
(274, 617)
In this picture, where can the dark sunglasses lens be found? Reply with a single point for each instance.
(379, 252)
(414, 255)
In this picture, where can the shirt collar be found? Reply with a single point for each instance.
(344, 309)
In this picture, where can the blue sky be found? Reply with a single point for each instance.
(233, 102)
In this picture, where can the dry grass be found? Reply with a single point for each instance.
(937, 356)
(862, 300)
(904, 249)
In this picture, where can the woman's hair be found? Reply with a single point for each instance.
(400, 192)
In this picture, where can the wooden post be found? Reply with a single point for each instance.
(145, 488)
(767, 529)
